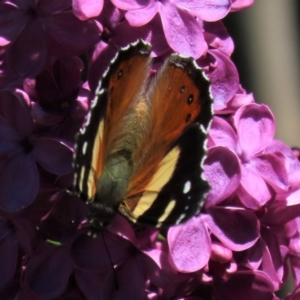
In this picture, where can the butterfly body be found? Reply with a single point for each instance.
(141, 151)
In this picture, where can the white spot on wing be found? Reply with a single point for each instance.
(84, 147)
(167, 211)
(187, 187)
(180, 219)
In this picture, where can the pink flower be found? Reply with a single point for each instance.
(181, 20)
(252, 130)
(21, 150)
(34, 33)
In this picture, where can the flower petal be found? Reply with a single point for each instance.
(14, 108)
(130, 4)
(90, 254)
(19, 182)
(224, 79)
(8, 254)
(12, 21)
(236, 229)
(42, 274)
(87, 9)
(27, 54)
(240, 4)
(217, 37)
(272, 169)
(140, 17)
(206, 10)
(190, 245)
(222, 170)
(8, 137)
(70, 36)
(255, 126)
(183, 32)
(53, 155)
(254, 191)
(222, 134)
(256, 285)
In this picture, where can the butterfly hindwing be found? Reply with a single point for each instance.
(168, 188)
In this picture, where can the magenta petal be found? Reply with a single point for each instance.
(225, 79)
(130, 4)
(217, 37)
(254, 191)
(271, 167)
(239, 100)
(291, 163)
(53, 155)
(276, 258)
(222, 170)
(127, 34)
(157, 267)
(48, 271)
(255, 254)
(28, 53)
(222, 134)
(19, 182)
(279, 213)
(183, 32)
(140, 17)
(240, 4)
(206, 10)
(255, 127)
(236, 229)
(189, 245)
(220, 253)
(85, 9)
(269, 268)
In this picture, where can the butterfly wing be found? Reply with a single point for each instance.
(114, 96)
(168, 186)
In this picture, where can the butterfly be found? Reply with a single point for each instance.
(142, 149)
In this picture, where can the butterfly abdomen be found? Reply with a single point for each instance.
(111, 188)
(114, 179)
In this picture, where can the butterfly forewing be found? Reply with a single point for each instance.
(118, 90)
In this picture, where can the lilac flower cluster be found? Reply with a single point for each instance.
(246, 239)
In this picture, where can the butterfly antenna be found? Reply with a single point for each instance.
(111, 262)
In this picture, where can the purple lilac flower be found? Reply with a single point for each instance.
(22, 150)
(31, 31)
(246, 238)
